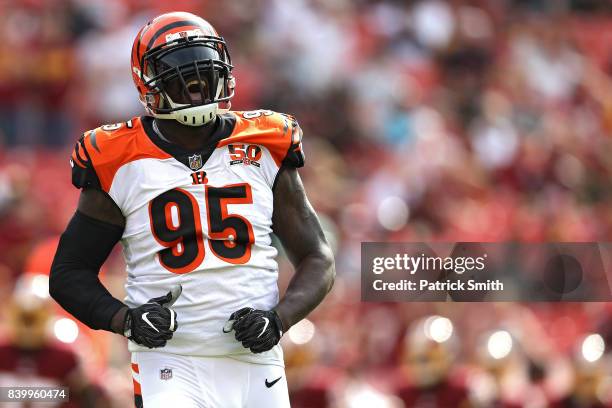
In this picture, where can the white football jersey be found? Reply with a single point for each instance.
(199, 218)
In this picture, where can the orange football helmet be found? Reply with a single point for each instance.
(182, 69)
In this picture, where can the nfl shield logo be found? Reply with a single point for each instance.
(195, 162)
(165, 373)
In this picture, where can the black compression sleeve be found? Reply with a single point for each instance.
(74, 282)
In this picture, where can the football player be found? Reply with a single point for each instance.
(193, 191)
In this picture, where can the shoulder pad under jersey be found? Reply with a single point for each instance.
(83, 173)
(98, 153)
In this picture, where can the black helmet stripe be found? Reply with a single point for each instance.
(167, 27)
(142, 33)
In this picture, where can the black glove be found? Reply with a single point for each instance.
(153, 324)
(258, 330)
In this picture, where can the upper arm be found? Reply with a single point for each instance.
(97, 204)
(294, 220)
(93, 201)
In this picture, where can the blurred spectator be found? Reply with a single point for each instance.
(427, 376)
(30, 358)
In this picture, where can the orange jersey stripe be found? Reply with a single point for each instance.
(137, 389)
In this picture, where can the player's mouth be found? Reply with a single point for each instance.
(193, 89)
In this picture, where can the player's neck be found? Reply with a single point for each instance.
(187, 137)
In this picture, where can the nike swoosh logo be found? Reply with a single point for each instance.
(146, 319)
(269, 384)
(265, 326)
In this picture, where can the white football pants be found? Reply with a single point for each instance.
(163, 380)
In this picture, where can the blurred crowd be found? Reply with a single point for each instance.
(428, 120)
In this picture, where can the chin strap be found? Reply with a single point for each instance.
(159, 133)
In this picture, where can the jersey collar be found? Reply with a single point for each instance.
(224, 127)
